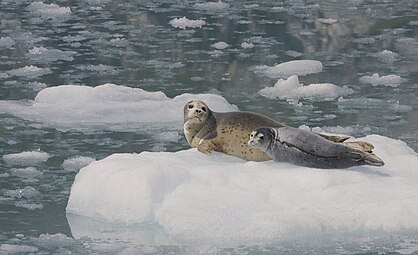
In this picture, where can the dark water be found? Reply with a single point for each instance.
(131, 43)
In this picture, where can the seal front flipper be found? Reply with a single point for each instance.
(206, 146)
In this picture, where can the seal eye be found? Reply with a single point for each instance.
(261, 137)
(204, 109)
(190, 106)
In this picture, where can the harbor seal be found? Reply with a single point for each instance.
(228, 132)
(305, 148)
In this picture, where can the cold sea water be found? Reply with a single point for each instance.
(365, 61)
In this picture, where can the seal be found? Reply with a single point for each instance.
(305, 148)
(228, 132)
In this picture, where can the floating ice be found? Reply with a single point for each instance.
(49, 11)
(367, 40)
(17, 249)
(184, 23)
(293, 53)
(27, 192)
(29, 172)
(171, 136)
(108, 107)
(6, 42)
(26, 158)
(292, 89)
(76, 163)
(387, 56)
(328, 21)
(29, 206)
(212, 6)
(220, 45)
(207, 199)
(246, 45)
(294, 67)
(44, 55)
(100, 68)
(29, 71)
(390, 80)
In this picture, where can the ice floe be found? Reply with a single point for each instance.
(26, 158)
(17, 249)
(27, 192)
(197, 198)
(49, 11)
(28, 172)
(7, 42)
(247, 45)
(184, 23)
(294, 67)
(391, 80)
(29, 71)
(387, 56)
(76, 163)
(212, 6)
(292, 89)
(108, 107)
(220, 45)
(44, 55)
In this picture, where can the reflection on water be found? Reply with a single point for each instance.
(131, 43)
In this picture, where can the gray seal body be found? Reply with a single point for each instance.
(304, 148)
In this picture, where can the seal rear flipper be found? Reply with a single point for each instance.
(334, 138)
(373, 160)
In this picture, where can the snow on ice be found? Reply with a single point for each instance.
(292, 89)
(49, 11)
(108, 107)
(294, 67)
(197, 198)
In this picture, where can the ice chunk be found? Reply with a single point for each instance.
(184, 23)
(29, 172)
(366, 40)
(292, 89)
(207, 199)
(27, 192)
(212, 6)
(172, 136)
(294, 67)
(42, 54)
(6, 42)
(390, 80)
(388, 56)
(26, 158)
(49, 11)
(29, 206)
(247, 45)
(29, 71)
(17, 249)
(76, 163)
(108, 107)
(100, 68)
(220, 45)
(328, 21)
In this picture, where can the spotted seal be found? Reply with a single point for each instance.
(227, 132)
(305, 148)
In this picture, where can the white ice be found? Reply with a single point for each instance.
(108, 107)
(212, 6)
(292, 89)
(28, 172)
(184, 23)
(26, 158)
(388, 56)
(294, 67)
(391, 80)
(26, 192)
(76, 163)
(197, 198)
(49, 11)
(29, 71)
(247, 45)
(17, 249)
(44, 55)
(220, 45)
(328, 21)
(6, 42)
